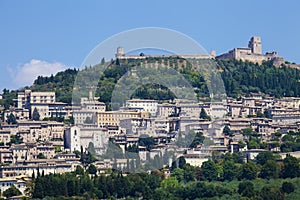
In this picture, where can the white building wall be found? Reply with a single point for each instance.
(147, 105)
(72, 138)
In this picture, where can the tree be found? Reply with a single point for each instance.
(259, 114)
(174, 164)
(230, 170)
(290, 167)
(91, 148)
(16, 139)
(92, 169)
(287, 187)
(267, 113)
(181, 162)
(41, 156)
(246, 189)
(35, 114)
(29, 187)
(170, 184)
(89, 158)
(145, 140)
(269, 193)
(11, 119)
(252, 144)
(189, 173)
(263, 157)
(209, 170)
(117, 62)
(249, 171)
(79, 170)
(72, 120)
(178, 173)
(203, 115)
(88, 120)
(227, 131)
(197, 139)
(12, 191)
(247, 132)
(102, 61)
(241, 144)
(269, 170)
(57, 149)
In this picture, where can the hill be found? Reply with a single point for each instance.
(240, 78)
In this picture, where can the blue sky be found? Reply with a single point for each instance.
(43, 37)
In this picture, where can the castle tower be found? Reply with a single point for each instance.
(120, 52)
(90, 95)
(255, 45)
(213, 53)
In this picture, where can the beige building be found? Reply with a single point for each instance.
(44, 102)
(19, 182)
(48, 110)
(19, 113)
(5, 136)
(84, 117)
(92, 103)
(45, 166)
(86, 113)
(147, 105)
(19, 153)
(5, 156)
(112, 118)
(195, 160)
(30, 151)
(46, 149)
(237, 125)
(28, 97)
(165, 110)
(32, 131)
(288, 102)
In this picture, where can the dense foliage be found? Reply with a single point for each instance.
(240, 78)
(244, 77)
(62, 84)
(226, 178)
(12, 191)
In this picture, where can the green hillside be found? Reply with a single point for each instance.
(240, 78)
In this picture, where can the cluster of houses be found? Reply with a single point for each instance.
(33, 146)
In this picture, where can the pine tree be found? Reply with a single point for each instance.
(11, 119)
(203, 115)
(102, 61)
(35, 114)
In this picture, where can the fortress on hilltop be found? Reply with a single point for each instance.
(121, 55)
(252, 53)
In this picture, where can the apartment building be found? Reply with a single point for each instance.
(27, 97)
(147, 105)
(112, 118)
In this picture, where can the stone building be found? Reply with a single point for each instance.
(81, 136)
(147, 105)
(28, 97)
(252, 53)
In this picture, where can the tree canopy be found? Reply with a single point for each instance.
(35, 114)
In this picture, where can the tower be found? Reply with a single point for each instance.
(120, 52)
(255, 45)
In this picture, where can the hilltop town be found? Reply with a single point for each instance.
(40, 135)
